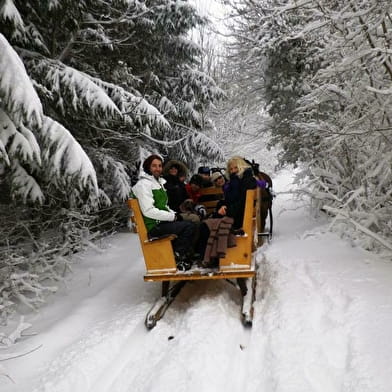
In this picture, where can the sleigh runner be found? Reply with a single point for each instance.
(238, 263)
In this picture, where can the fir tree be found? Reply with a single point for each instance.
(86, 87)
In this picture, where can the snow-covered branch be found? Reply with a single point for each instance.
(341, 213)
(17, 95)
(68, 158)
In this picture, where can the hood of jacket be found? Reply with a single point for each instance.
(173, 162)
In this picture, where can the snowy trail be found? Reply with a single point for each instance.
(306, 337)
(323, 313)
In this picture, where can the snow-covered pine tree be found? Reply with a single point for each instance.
(170, 77)
(83, 85)
(34, 150)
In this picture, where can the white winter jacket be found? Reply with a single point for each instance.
(152, 198)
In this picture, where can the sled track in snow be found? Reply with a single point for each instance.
(299, 338)
(306, 334)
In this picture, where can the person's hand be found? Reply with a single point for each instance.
(222, 210)
(178, 217)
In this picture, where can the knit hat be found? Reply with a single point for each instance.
(215, 176)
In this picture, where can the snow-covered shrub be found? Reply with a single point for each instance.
(35, 252)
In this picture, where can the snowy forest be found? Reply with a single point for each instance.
(88, 88)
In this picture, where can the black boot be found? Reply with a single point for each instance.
(183, 263)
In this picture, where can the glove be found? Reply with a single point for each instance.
(201, 210)
(178, 217)
(261, 184)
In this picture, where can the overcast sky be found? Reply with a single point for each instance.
(216, 12)
(212, 9)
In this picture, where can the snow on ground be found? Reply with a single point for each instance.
(323, 315)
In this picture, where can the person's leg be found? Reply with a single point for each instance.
(183, 243)
(204, 233)
(188, 216)
(184, 230)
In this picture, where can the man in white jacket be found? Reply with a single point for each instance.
(158, 217)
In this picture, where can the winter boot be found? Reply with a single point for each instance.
(183, 264)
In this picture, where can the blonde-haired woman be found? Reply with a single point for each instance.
(237, 165)
(240, 180)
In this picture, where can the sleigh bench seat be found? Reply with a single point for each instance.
(158, 252)
(210, 197)
(159, 257)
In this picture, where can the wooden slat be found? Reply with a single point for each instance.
(200, 275)
(242, 253)
(210, 205)
(158, 254)
(211, 190)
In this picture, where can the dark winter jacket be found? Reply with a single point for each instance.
(176, 192)
(235, 196)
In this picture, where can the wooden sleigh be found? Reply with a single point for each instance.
(239, 262)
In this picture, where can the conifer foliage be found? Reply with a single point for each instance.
(84, 84)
